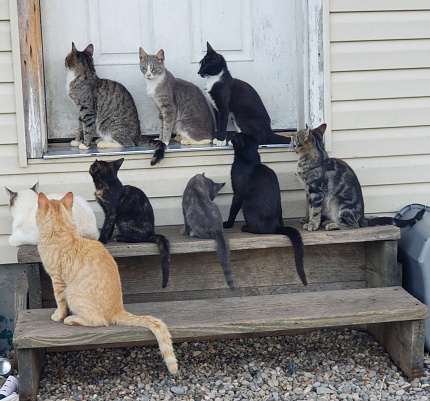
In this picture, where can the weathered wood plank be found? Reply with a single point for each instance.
(210, 318)
(382, 269)
(181, 244)
(30, 363)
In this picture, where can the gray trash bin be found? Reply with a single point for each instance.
(414, 254)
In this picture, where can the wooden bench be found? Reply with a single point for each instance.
(353, 276)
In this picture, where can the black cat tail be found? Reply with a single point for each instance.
(294, 235)
(224, 256)
(164, 248)
(277, 139)
(159, 147)
(386, 221)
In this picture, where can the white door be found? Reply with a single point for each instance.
(257, 38)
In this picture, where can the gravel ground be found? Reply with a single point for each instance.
(323, 365)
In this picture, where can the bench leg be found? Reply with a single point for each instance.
(404, 342)
(30, 363)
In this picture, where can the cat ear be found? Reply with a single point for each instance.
(42, 202)
(209, 47)
(160, 55)
(67, 201)
(142, 54)
(35, 187)
(322, 128)
(74, 49)
(11, 194)
(89, 49)
(308, 134)
(118, 163)
(203, 174)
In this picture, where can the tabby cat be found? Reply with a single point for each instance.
(23, 205)
(181, 105)
(105, 107)
(256, 191)
(333, 192)
(129, 209)
(85, 277)
(203, 218)
(230, 95)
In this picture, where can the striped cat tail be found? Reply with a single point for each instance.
(160, 331)
(294, 235)
(164, 248)
(159, 148)
(224, 256)
(386, 221)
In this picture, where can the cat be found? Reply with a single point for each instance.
(105, 107)
(129, 209)
(85, 277)
(182, 106)
(23, 205)
(333, 192)
(256, 191)
(203, 218)
(230, 95)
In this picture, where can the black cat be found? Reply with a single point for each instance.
(129, 208)
(256, 190)
(230, 95)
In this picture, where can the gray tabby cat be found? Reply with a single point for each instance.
(105, 107)
(203, 218)
(333, 192)
(181, 105)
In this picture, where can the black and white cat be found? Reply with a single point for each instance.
(231, 95)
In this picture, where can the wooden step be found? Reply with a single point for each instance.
(238, 240)
(217, 318)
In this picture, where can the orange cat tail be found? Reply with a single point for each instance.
(160, 331)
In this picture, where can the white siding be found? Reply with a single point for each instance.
(380, 87)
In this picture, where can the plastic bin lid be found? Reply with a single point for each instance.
(413, 206)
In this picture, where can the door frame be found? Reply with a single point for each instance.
(314, 72)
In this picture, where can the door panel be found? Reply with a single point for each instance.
(258, 40)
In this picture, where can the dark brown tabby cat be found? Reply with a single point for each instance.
(181, 104)
(85, 277)
(129, 209)
(231, 95)
(105, 107)
(256, 191)
(333, 192)
(203, 218)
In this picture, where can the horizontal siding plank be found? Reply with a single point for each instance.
(5, 36)
(380, 55)
(7, 98)
(384, 113)
(360, 26)
(6, 67)
(378, 5)
(8, 129)
(381, 142)
(362, 85)
(7, 253)
(4, 10)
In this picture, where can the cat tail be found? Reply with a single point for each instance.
(277, 139)
(224, 255)
(160, 331)
(386, 221)
(296, 239)
(164, 248)
(159, 147)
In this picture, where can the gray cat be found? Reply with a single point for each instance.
(181, 105)
(105, 107)
(203, 218)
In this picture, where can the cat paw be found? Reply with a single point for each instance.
(311, 226)
(82, 146)
(58, 315)
(331, 226)
(227, 224)
(217, 142)
(75, 143)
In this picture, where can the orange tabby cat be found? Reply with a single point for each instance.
(85, 277)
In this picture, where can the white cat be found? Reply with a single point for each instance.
(23, 205)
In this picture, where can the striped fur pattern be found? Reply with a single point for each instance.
(85, 277)
(106, 107)
(181, 105)
(333, 192)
